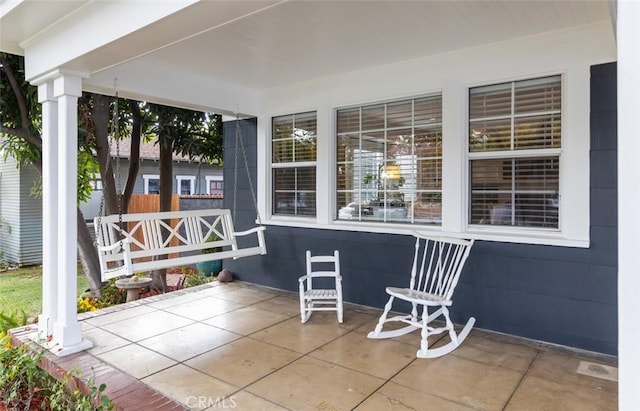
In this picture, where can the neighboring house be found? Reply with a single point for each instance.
(513, 123)
(21, 211)
(20, 214)
(190, 178)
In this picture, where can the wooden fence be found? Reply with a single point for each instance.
(150, 203)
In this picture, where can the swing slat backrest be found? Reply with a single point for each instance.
(180, 236)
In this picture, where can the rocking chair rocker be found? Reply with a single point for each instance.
(437, 264)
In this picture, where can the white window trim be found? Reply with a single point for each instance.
(267, 182)
(523, 59)
(209, 179)
(574, 221)
(146, 178)
(192, 183)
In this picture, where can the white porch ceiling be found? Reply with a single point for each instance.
(256, 45)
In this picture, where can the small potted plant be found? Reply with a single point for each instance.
(209, 268)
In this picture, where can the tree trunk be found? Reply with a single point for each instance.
(166, 190)
(134, 157)
(86, 250)
(100, 118)
(89, 256)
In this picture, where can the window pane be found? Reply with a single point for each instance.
(154, 186)
(347, 144)
(429, 176)
(490, 101)
(538, 95)
(373, 143)
(428, 111)
(491, 174)
(306, 203)
(490, 135)
(400, 114)
(345, 177)
(305, 149)
(530, 183)
(295, 191)
(282, 127)
(348, 120)
(185, 187)
(373, 117)
(399, 143)
(537, 132)
(536, 210)
(427, 208)
(428, 142)
(538, 174)
(284, 203)
(282, 151)
(306, 178)
(305, 137)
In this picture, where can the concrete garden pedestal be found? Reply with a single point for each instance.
(133, 286)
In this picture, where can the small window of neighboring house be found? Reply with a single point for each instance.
(215, 185)
(293, 164)
(514, 153)
(96, 182)
(186, 185)
(151, 183)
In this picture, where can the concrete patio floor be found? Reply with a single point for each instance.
(240, 346)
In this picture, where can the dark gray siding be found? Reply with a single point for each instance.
(560, 295)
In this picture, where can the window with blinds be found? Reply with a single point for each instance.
(514, 153)
(293, 164)
(389, 162)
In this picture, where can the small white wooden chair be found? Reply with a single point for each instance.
(437, 264)
(321, 299)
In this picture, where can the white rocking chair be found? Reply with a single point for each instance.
(437, 264)
(316, 299)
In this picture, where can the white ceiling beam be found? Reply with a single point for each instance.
(89, 28)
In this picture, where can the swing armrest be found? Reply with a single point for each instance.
(250, 231)
(114, 246)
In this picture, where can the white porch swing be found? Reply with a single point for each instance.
(134, 243)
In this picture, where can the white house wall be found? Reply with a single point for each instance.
(568, 52)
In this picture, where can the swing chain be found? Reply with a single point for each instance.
(246, 166)
(113, 138)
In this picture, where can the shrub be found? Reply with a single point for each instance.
(24, 386)
(191, 280)
(12, 319)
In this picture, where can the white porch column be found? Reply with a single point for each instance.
(628, 36)
(67, 335)
(49, 209)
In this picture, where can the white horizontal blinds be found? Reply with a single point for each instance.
(389, 161)
(508, 185)
(293, 162)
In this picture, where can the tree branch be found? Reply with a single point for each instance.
(15, 87)
(23, 133)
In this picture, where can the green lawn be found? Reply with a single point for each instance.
(21, 289)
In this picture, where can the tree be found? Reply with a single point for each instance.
(20, 119)
(194, 134)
